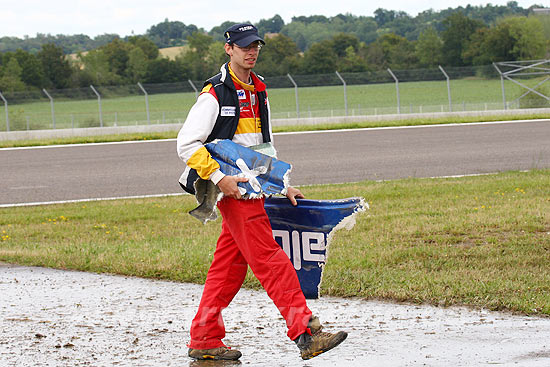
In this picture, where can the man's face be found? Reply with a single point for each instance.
(244, 57)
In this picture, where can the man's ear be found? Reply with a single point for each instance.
(228, 49)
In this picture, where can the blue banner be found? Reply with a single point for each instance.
(304, 233)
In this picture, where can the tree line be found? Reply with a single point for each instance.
(308, 45)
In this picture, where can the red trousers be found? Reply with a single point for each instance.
(247, 239)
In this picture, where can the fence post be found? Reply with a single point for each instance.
(448, 88)
(345, 92)
(146, 102)
(7, 114)
(296, 93)
(194, 88)
(501, 85)
(397, 90)
(99, 103)
(51, 106)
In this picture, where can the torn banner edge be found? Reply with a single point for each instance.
(348, 223)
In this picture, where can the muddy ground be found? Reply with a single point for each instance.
(65, 318)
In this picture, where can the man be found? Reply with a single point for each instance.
(233, 105)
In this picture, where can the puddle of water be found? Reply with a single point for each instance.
(64, 318)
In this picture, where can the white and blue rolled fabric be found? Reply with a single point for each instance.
(266, 175)
(305, 231)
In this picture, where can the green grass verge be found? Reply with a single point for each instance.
(481, 241)
(290, 128)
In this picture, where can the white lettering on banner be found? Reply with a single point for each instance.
(309, 241)
(313, 241)
(228, 111)
(241, 94)
(296, 250)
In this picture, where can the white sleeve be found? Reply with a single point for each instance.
(270, 123)
(197, 127)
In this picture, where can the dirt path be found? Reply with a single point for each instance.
(64, 318)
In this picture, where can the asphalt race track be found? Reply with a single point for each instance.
(74, 172)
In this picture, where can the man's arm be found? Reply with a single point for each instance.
(190, 143)
(194, 132)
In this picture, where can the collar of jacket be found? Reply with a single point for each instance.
(259, 85)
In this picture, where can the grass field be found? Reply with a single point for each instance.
(481, 241)
(429, 96)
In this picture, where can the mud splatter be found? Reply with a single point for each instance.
(64, 318)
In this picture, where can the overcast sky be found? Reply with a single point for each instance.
(25, 17)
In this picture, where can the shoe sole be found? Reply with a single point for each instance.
(342, 336)
(213, 357)
(208, 357)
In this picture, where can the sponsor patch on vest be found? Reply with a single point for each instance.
(241, 94)
(228, 111)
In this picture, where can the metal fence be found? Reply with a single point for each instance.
(291, 96)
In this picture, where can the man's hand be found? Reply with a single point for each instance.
(229, 187)
(293, 193)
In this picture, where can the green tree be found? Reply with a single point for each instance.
(342, 41)
(200, 42)
(528, 35)
(320, 58)
(458, 29)
(307, 33)
(150, 50)
(202, 59)
(383, 16)
(375, 57)
(103, 39)
(279, 56)
(352, 62)
(117, 53)
(511, 39)
(215, 57)
(488, 45)
(10, 79)
(95, 69)
(32, 73)
(164, 71)
(137, 64)
(55, 65)
(167, 33)
(393, 51)
(429, 48)
(271, 25)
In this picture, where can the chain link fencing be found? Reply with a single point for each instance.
(291, 96)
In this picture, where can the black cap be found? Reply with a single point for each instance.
(242, 35)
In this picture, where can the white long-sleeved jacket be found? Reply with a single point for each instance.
(201, 120)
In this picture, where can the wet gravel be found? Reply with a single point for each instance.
(65, 318)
